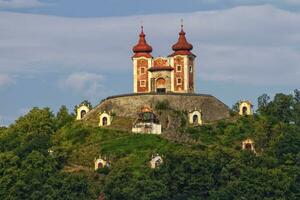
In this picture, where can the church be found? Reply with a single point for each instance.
(174, 73)
(163, 97)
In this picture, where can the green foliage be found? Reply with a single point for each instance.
(30, 132)
(212, 166)
(27, 171)
(63, 117)
(37, 177)
(235, 107)
(284, 108)
(162, 105)
(105, 170)
(262, 102)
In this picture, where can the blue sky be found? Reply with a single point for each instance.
(60, 52)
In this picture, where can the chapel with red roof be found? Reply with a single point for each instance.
(172, 74)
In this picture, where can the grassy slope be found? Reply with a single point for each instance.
(82, 144)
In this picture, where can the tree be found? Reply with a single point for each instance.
(36, 121)
(263, 102)
(30, 132)
(297, 95)
(297, 107)
(63, 117)
(235, 108)
(281, 108)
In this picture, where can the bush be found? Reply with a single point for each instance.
(162, 105)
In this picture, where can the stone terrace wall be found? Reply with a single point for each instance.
(129, 105)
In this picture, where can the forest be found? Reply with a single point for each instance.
(47, 155)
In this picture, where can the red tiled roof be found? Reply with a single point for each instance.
(182, 47)
(142, 47)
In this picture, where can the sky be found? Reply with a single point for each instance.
(61, 52)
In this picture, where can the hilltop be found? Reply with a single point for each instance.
(51, 156)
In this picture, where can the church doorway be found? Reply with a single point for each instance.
(104, 121)
(82, 113)
(244, 110)
(161, 85)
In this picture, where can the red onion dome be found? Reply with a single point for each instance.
(182, 44)
(142, 47)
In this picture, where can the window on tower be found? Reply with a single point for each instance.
(178, 68)
(142, 83)
(179, 81)
(142, 70)
(191, 68)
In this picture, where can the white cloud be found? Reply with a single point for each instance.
(254, 44)
(250, 2)
(13, 4)
(292, 2)
(85, 83)
(5, 80)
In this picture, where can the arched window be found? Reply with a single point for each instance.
(248, 146)
(82, 113)
(195, 119)
(104, 121)
(179, 81)
(245, 110)
(100, 165)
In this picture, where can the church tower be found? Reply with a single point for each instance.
(142, 59)
(175, 73)
(182, 59)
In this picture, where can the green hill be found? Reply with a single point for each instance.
(47, 156)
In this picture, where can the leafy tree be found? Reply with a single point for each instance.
(36, 121)
(297, 107)
(263, 102)
(30, 132)
(212, 166)
(281, 108)
(297, 95)
(235, 109)
(63, 117)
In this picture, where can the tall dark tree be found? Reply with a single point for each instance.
(297, 95)
(63, 117)
(262, 102)
(282, 107)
